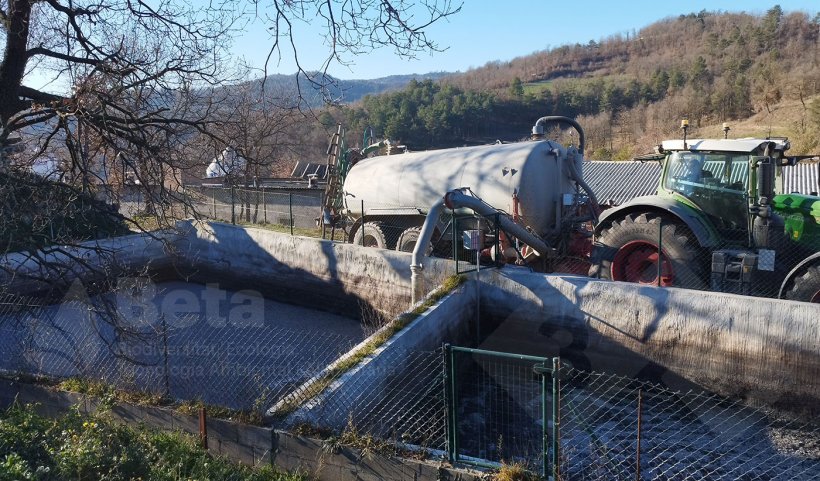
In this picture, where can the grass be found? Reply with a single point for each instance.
(514, 472)
(375, 342)
(80, 447)
(339, 235)
(109, 395)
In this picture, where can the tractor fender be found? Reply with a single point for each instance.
(792, 273)
(702, 228)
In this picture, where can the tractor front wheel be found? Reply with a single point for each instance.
(628, 251)
(806, 287)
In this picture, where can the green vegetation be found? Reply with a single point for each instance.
(339, 235)
(108, 394)
(37, 213)
(78, 447)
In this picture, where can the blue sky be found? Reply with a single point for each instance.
(487, 30)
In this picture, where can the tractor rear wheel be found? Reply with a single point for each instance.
(806, 287)
(628, 251)
(371, 234)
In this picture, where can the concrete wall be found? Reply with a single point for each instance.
(391, 381)
(338, 277)
(765, 350)
(58, 266)
(302, 269)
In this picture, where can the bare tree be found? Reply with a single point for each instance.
(352, 28)
(115, 90)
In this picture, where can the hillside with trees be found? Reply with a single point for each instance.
(629, 91)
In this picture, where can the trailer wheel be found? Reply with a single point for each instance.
(806, 287)
(628, 251)
(371, 234)
(408, 239)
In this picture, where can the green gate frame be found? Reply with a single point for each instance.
(545, 367)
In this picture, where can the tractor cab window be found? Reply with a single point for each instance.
(716, 182)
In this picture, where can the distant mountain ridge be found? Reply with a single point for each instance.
(338, 90)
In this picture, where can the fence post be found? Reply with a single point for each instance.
(448, 401)
(363, 222)
(455, 240)
(638, 451)
(660, 250)
(203, 428)
(544, 426)
(213, 203)
(165, 356)
(264, 205)
(556, 418)
(233, 205)
(498, 254)
(453, 445)
(290, 210)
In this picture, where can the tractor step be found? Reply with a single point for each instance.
(733, 271)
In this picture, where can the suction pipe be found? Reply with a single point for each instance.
(456, 199)
(425, 236)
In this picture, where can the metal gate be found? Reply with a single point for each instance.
(502, 408)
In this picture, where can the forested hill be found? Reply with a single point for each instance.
(629, 91)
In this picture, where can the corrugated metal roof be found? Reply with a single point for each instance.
(617, 182)
(803, 178)
(303, 169)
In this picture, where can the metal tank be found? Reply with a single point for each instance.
(539, 172)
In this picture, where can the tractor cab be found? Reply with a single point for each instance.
(719, 178)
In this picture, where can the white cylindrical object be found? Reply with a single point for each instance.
(535, 170)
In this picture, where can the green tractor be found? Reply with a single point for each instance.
(719, 221)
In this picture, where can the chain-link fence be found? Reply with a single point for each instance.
(227, 349)
(640, 247)
(297, 209)
(396, 396)
(478, 407)
(613, 427)
(510, 409)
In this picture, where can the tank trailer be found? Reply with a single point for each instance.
(718, 221)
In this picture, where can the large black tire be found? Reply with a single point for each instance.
(624, 252)
(371, 234)
(806, 287)
(408, 239)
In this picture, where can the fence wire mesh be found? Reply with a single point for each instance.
(300, 209)
(608, 427)
(619, 428)
(241, 359)
(395, 396)
(628, 250)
